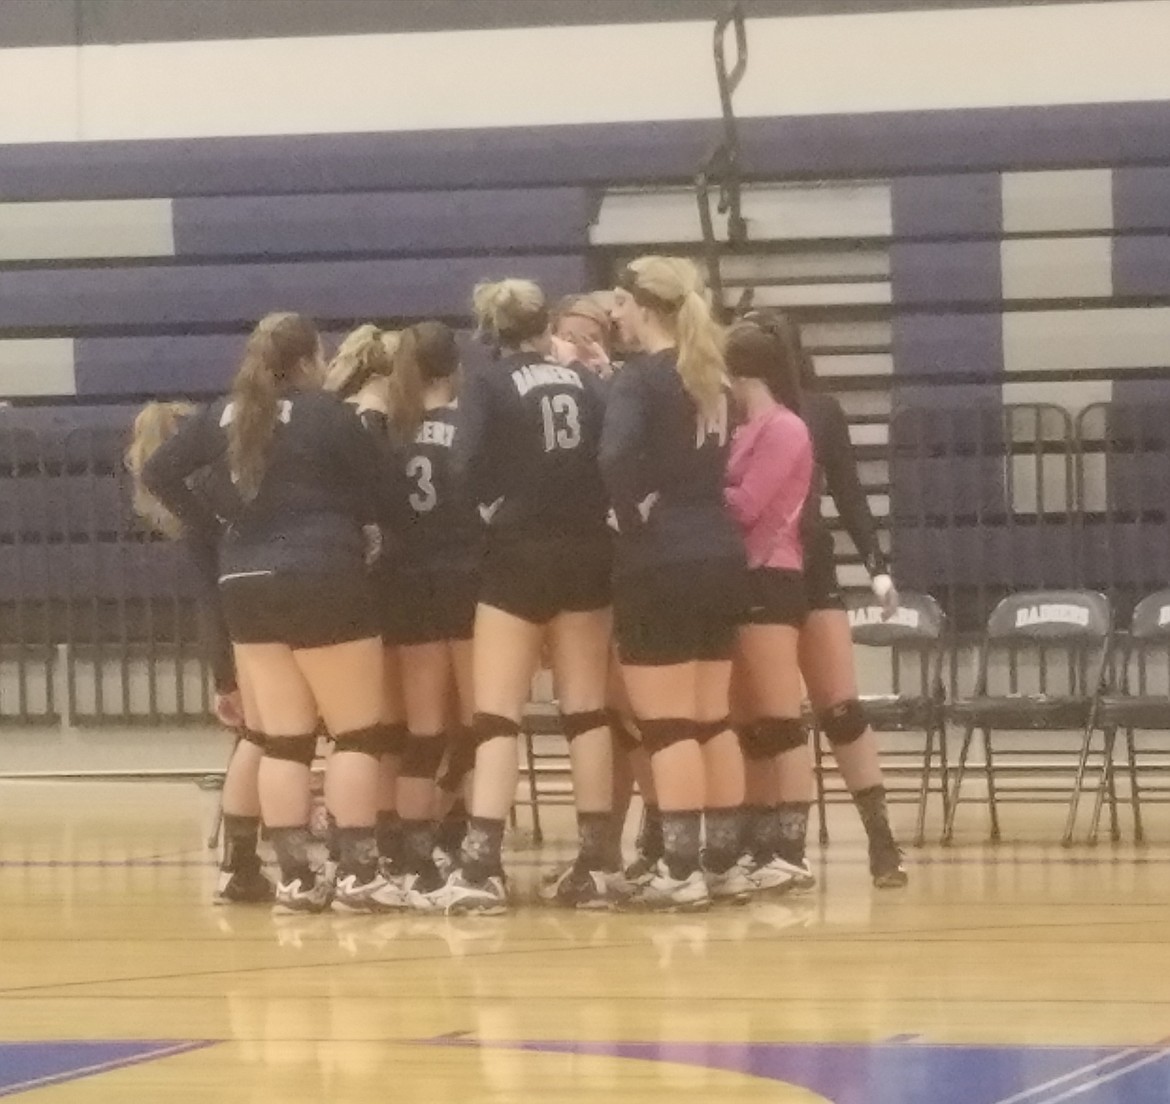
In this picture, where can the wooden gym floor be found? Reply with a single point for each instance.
(1022, 974)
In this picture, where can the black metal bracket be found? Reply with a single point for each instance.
(722, 171)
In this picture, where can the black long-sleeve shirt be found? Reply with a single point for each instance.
(526, 437)
(664, 465)
(325, 477)
(837, 462)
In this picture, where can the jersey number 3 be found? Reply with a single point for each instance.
(562, 422)
(424, 499)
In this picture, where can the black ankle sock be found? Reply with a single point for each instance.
(388, 832)
(650, 837)
(332, 846)
(359, 853)
(292, 852)
(792, 823)
(724, 843)
(594, 831)
(681, 833)
(418, 844)
(240, 834)
(875, 817)
(764, 832)
(481, 849)
(613, 841)
(452, 829)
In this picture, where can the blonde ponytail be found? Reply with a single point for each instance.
(364, 354)
(156, 422)
(510, 312)
(672, 289)
(276, 355)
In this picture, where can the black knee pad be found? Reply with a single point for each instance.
(708, 730)
(577, 724)
(422, 757)
(364, 741)
(251, 736)
(772, 736)
(291, 749)
(843, 723)
(460, 760)
(664, 732)
(624, 737)
(487, 726)
(393, 738)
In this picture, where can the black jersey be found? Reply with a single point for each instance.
(525, 451)
(324, 479)
(663, 465)
(443, 529)
(837, 464)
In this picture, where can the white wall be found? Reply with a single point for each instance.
(1053, 54)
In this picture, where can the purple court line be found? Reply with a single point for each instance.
(106, 1067)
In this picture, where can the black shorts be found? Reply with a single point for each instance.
(822, 591)
(538, 580)
(775, 597)
(300, 610)
(679, 613)
(426, 607)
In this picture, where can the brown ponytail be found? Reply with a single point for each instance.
(275, 359)
(426, 352)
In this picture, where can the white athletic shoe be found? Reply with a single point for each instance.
(663, 893)
(350, 895)
(392, 895)
(773, 876)
(585, 889)
(459, 896)
(732, 885)
(295, 896)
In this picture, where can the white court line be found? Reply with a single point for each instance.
(1149, 1060)
(1074, 1075)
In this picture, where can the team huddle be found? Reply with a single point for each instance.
(392, 547)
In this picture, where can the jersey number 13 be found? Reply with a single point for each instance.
(562, 422)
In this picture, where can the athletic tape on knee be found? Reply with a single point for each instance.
(708, 730)
(364, 741)
(577, 724)
(421, 757)
(460, 760)
(393, 738)
(772, 736)
(291, 749)
(624, 736)
(251, 736)
(487, 726)
(663, 732)
(843, 723)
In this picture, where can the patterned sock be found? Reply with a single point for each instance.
(481, 849)
(724, 829)
(593, 836)
(359, 853)
(388, 832)
(613, 841)
(766, 833)
(875, 817)
(418, 844)
(793, 826)
(681, 832)
(240, 834)
(650, 841)
(292, 852)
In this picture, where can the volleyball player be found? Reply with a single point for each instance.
(431, 612)
(241, 877)
(826, 644)
(769, 478)
(303, 627)
(679, 573)
(526, 441)
(360, 373)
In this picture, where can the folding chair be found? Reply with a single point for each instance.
(1058, 642)
(914, 639)
(1138, 701)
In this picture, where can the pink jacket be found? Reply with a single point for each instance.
(768, 477)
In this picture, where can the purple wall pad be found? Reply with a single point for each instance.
(946, 272)
(968, 556)
(937, 206)
(1141, 266)
(156, 365)
(885, 143)
(1141, 199)
(405, 223)
(963, 346)
(240, 294)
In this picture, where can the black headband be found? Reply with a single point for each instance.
(628, 281)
